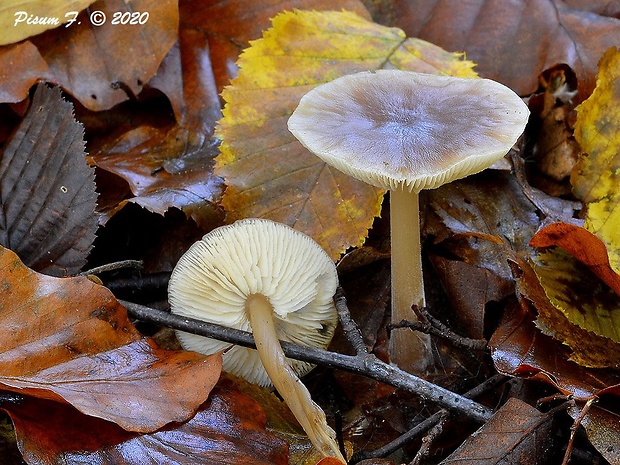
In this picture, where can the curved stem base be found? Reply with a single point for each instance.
(285, 380)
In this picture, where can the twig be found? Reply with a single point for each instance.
(425, 425)
(137, 264)
(432, 435)
(349, 327)
(366, 365)
(575, 427)
(430, 325)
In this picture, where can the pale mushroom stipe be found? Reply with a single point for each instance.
(267, 278)
(405, 132)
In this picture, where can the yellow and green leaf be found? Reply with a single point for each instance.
(267, 172)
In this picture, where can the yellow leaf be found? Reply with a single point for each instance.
(596, 177)
(584, 312)
(20, 19)
(267, 172)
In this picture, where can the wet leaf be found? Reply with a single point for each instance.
(517, 433)
(105, 65)
(596, 177)
(20, 19)
(228, 428)
(69, 340)
(163, 171)
(519, 349)
(47, 190)
(482, 219)
(513, 42)
(267, 172)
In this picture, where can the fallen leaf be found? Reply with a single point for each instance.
(47, 190)
(163, 171)
(227, 26)
(102, 66)
(513, 42)
(267, 172)
(519, 349)
(228, 428)
(584, 311)
(69, 340)
(581, 244)
(596, 176)
(517, 433)
(31, 66)
(601, 425)
(20, 19)
(483, 219)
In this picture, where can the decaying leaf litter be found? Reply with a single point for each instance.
(492, 275)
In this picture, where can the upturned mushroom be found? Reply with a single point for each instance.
(265, 277)
(405, 132)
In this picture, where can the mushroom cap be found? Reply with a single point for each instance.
(214, 277)
(404, 130)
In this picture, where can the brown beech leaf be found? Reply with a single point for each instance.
(69, 340)
(22, 66)
(519, 349)
(105, 65)
(517, 433)
(228, 428)
(47, 190)
(513, 42)
(164, 171)
(482, 219)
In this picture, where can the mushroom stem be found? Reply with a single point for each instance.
(409, 350)
(289, 386)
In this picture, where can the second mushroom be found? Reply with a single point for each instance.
(267, 278)
(405, 132)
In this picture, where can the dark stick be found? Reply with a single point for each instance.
(425, 425)
(367, 364)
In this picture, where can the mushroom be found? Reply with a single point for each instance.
(265, 277)
(405, 132)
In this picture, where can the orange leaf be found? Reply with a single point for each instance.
(583, 245)
(69, 340)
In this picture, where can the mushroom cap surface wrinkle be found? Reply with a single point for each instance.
(405, 130)
(216, 275)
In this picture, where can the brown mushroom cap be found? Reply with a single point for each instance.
(404, 130)
(213, 279)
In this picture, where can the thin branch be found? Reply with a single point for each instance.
(430, 325)
(349, 327)
(366, 365)
(425, 425)
(136, 264)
